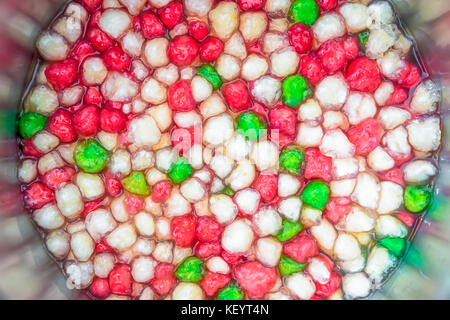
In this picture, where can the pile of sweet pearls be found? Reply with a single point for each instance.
(259, 149)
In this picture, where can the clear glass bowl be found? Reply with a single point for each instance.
(27, 271)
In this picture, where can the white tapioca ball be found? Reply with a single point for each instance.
(212, 106)
(396, 141)
(147, 294)
(228, 67)
(99, 223)
(143, 269)
(277, 296)
(309, 135)
(300, 285)
(163, 251)
(357, 220)
(356, 285)
(144, 223)
(277, 7)
(139, 70)
(111, 4)
(318, 270)
(108, 140)
(49, 161)
(122, 237)
(267, 221)
(290, 208)
(425, 134)
(180, 29)
(383, 93)
(344, 168)
(238, 147)
(359, 106)
(134, 7)
(391, 117)
(310, 111)
(221, 165)
(242, 175)
(335, 144)
(288, 185)
(419, 172)
(265, 155)
(80, 274)
(334, 120)
(176, 205)
(70, 27)
(119, 209)
(153, 91)
(235, 46)
(380, 40)
(76, 10)
(238, 236)
(90, 185)
(194, 155)
(193, 189)
(391, 197)
(223, 208)
(132, 43)
(65, 151)
(342, 188)
(278, 24)
(43, 100)
(310, 216)
(252, 25)
(352, 266)
(391, 64)
(284, 62)
(180, 254)
(273, 41)
(268, 251)
(69, 201)
(198, 8)
(332, 92)
(165, 158)
(115, 22)
(254, 67)
(217, 185)
(346, 247)
(52, 46)
(188, 291)
(82, 245)
(120, 162)
(267, 90)
(328, 26)
(381, 13)
(201, 88)
(379, 160)
(161, 3)
(356, 15)
(224, 19)
(153, 176)
(403, 43)
(48, 217)
(218, 129)
(71, 95)
(162, 225)
(154, 52)
(58, 243)
(217, 265)
(167, 74)
(104, 262)
(142, 159)
(367, 190)
(204, 175)
(117, 87)
(390, 226)
(44, 141)
(27, 170)
(143, 131)
(247, 200)
(162, 114)
(426, 98)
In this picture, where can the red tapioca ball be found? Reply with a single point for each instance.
(183, 50)
(363, 75)
(255, 47)
(204, 250)
(55, 177)
(90, 206)
(397, 97)
(120, 280)
(336, 209)
(267, 186)
(102, 246)
(365, 136)
(179, 96)
(183, 230)
(112, 121)
(208, 229)
(164, 279)
(212, 282)
(327, 4)
(400, 158)
(113, 186)
(91, 5)
(407, 218)
(171, 14)
(62, 74)
(394, 175)
(29, 149)
(283, 119)
(311, 68)
(99, 288)
(351, 47)
(317, 165)
(246, 5)
(81, 50)
(279, 138)
(300, 37)
(86, 121)
(161, 191)
(149, 24)
(301, 247)
(332, 56)
(198, 29)
(182, 138)
(116, 59)
(211, 49)
(255, 278)
(99, 39)
(230, 257)
(36, 195)
(93, 96)
(134, 204)
(327, 289)
(410, 76)
(95, 18)
(60, 124)
(236, 95)
(259, 108)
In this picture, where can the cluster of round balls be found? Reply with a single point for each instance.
(200, 149)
